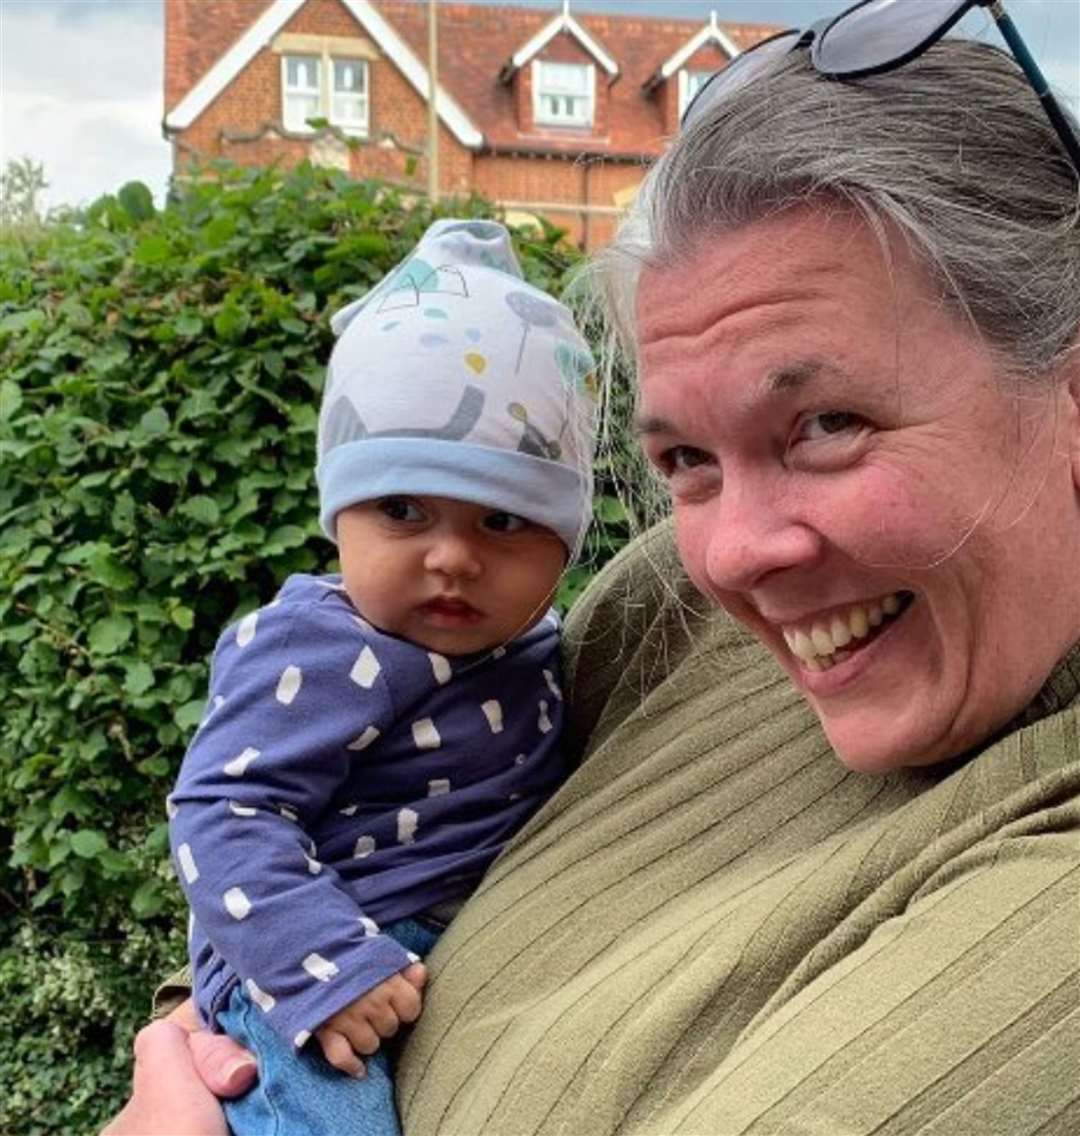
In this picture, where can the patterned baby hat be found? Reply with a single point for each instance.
(454, 377)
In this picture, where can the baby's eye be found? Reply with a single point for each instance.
(504, 522)
(400, 509)
(827, 424)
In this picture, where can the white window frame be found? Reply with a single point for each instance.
(686, 91)
(325, 76)
(362, 98)
(543, 116)
(315, 91)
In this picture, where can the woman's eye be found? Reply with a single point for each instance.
(678, 459)
(827, 424)
(400, 509)
(504, 522)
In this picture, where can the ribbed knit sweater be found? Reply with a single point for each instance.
(715, 928)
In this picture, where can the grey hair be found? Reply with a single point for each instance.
(952, 150)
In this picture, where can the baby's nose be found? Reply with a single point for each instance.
(454, 554)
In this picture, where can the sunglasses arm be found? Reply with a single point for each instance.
(1031, 69)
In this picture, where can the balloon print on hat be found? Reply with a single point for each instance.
(533, 311)
(576, 368)
(532, 440)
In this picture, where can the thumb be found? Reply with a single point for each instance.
(225, 1067)
(416, 974)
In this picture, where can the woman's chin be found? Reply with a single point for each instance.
(878, 743)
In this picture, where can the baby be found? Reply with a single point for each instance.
(373, 739)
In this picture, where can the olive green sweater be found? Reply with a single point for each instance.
(715, 928)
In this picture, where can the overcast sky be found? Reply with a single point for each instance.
(81, 80)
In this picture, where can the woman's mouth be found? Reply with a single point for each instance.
(823, 642)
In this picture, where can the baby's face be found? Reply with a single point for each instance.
(447, 575)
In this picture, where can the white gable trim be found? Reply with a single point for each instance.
(225, 70)
(259, 35)
(710, 33)
(563, 22)
(453, 117)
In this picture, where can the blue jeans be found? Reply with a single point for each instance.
(301, 1093)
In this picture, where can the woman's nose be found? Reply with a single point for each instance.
(746, 539)
(454, 554)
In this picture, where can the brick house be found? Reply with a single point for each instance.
(545, 112)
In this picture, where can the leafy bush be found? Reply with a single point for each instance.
(159, 382)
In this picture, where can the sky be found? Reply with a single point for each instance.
(81, 80)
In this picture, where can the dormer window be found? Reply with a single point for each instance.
(563, 93)
(690, 82)
(319, 86)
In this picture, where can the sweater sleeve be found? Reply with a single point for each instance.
(959, 1015)
(292, 688)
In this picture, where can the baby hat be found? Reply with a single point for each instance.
(453, 377)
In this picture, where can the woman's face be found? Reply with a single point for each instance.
(853, 481)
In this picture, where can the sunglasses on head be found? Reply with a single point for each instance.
(875, 36)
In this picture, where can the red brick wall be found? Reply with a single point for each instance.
(542, 180)
(523, 98)
(667, 98)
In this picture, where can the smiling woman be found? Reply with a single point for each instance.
(841, 447)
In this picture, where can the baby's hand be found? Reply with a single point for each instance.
(358, 1029)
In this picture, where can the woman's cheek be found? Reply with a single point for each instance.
(694, 529)
(886, 517)
(880, 516)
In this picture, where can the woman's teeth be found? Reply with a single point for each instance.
(816, 647)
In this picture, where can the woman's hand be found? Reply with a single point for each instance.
(180, 1071)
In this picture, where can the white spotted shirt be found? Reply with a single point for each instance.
(343, 779)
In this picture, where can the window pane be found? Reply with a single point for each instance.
(349, 110)
(298, 109)
(695, 80)
(691, 83)
(564, 93)
(350, 75)
(572, 78)
(302, 73)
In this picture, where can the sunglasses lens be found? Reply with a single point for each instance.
(744, 68)
(880, 32)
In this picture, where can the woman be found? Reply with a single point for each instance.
(854, 307)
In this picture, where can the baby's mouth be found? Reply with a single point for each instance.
(824, 642)
(451, 606)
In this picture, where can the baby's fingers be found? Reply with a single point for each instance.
(379, 1014)
(359, 1032)
(338, 1050)
(406, 998)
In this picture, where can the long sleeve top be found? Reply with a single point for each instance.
(341, 779)
(714, 927)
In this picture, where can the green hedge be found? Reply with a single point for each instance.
(159, 385)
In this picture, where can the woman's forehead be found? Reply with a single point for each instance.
(809, 282)
(802, 257)
(800, 307)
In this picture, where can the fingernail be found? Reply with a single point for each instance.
(240, 1065)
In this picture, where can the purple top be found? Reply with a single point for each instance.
(344, 778)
